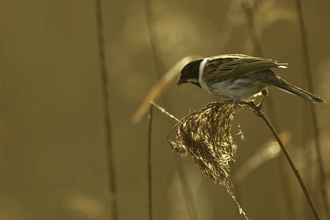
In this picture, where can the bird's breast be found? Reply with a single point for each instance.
(237, 89)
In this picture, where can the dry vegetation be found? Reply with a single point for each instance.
(74, 73)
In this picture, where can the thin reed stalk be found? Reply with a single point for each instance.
(149, 164)
(249, 9)
(155, 54)
(204, 136)
(315, 124)
(287, 156)
(106, 113)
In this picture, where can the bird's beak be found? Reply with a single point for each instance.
(180, 81)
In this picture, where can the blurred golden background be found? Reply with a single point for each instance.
(53, 151)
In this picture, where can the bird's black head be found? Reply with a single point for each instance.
(190, 73)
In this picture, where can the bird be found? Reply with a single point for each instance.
(239, 77)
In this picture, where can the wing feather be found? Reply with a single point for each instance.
(223, 67)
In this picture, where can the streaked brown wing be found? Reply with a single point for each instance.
(231, 66)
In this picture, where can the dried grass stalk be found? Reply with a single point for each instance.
(204, 136)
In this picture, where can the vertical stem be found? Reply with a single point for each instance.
(286, 154)
(104, 81)
(306, 61)
(257, 50)
(149, 164)
(187, 194)
(155, 53)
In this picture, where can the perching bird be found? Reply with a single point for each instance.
(239, 77)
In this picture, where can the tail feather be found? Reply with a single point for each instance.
(294, 90)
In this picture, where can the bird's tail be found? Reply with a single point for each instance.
(294, 90)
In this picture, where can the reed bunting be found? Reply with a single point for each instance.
(239, 77)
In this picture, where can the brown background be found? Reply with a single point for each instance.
(53, 153)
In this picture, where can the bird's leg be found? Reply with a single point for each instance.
(259, 106)
(236, 100)
(264, 95)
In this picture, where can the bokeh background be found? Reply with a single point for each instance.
(53, 151)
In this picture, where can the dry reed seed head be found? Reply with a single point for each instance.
(204, 136)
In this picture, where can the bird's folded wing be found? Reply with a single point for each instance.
(231, 67)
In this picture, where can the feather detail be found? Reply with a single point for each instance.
(223, 67)
(238, 77)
